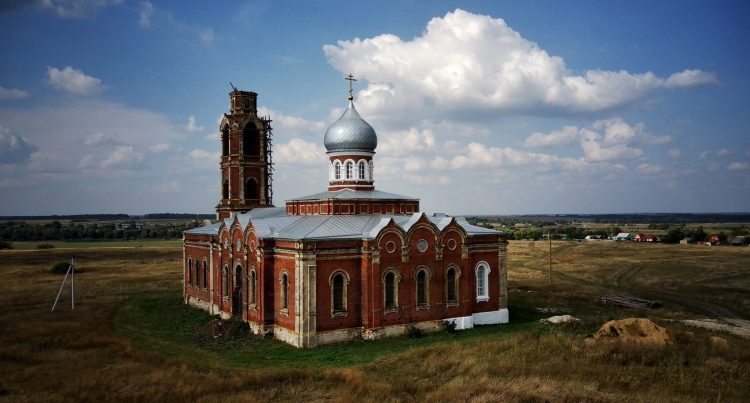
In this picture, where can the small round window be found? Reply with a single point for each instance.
(452, 244)
(422, 245)
(251, 245)
(239, 245)
(226, 243)
(390, 246)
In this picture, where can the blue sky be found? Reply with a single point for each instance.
(480, 107)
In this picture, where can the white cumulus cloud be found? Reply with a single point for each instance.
(299, 152)
(723, 152)
(76, 8)
(14, 149)
(145, 14)
(159, 148)
(465, 61)
(12, 93)
(649, 169)
(594, 150)
(406, 142)
(738, 166)
(557, 138)
(293, 126)
(73, 81)
(191, 126)
(121, 156)
(689, 78)
(100, 138)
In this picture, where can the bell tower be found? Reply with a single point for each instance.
(246, 163)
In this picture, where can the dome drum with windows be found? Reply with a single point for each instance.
(350, 143)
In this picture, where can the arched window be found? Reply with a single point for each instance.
(253, 281)
(190, 271)
(483, 273)
(225, 141)
(451, 285)
(337, 170)
(338, 290)
(372, 165)
(390, 285)
(250, 139)
(349, 169)
(225, 281)
(284, 291)
(422, 288)
(197, 273)
(225, 189)
(251, 189)
(205, 274)
(237, 286)
(362, 165)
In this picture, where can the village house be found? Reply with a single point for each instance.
(348, 262)
(646, 238)
(716, 239)
(623, 236)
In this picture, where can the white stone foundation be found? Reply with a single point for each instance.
(286, 335)
(198, 303)
(338, 336)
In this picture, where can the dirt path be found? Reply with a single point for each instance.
(623, 282)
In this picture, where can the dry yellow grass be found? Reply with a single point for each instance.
(78, 356)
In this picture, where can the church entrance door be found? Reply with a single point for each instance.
(237, 292)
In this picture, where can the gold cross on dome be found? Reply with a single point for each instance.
(351, 78)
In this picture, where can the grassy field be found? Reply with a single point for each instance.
(130, 338)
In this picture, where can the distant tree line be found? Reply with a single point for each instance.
(72, 217)
(179, 216)
(655, 218)
(567, 232)
(109, 217)
(55, 231)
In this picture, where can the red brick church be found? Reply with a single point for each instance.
(349, 262)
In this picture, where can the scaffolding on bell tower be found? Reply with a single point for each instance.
(269, 158)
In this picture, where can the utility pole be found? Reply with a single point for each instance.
(549, 272)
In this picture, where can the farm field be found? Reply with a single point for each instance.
(130, 338)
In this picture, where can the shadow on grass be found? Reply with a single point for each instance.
(161, 323)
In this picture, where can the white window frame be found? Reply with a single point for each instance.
(396, 281)
(362, 170)
(483, 293)
(344, 292)
(427, 278)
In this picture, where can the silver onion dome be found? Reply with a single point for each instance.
(351, 132)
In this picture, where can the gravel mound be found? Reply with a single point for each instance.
(639, 331)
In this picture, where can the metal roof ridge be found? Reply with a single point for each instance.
(316, 227)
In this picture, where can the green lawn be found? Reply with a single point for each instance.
(161, 323)
(143, 243)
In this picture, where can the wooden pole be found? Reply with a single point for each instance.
(549, 272)
(72, 283)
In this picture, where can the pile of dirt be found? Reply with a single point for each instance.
(638, 331)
